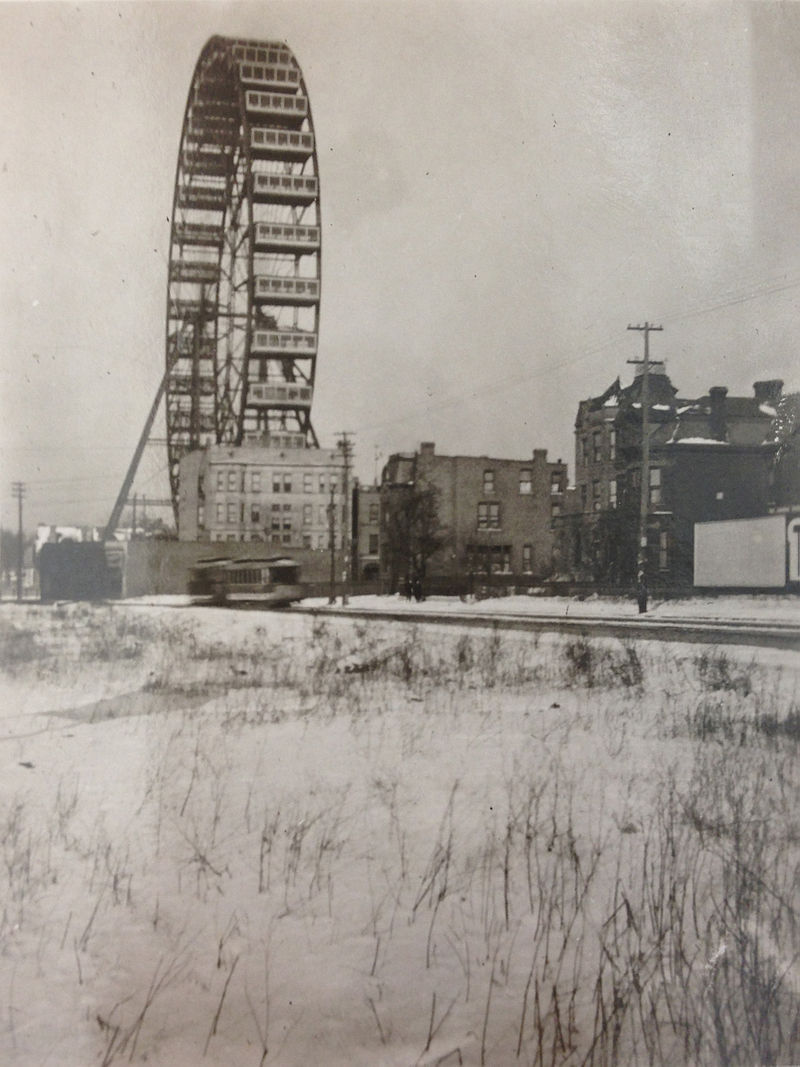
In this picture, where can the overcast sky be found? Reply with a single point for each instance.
(505, 188)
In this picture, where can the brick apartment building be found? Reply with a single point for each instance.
(711, 458)
(495, 515)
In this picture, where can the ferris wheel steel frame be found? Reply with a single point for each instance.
(245, 265)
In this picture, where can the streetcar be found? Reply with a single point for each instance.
(272, 581)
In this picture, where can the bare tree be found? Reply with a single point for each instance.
(412, 533)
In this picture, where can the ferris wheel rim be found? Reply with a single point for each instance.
(219, 304)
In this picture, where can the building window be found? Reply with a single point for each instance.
(583, 497)
(220, 513)
(287, 507)
(201, 516)
(306, 540)
(334, 482)
(488, 516)
(276, 483)
(527, 558)
(374, 512)
(555, 483)
(596, 494)
(232, 486)
(483, 559)
(308, 482)
(655, 485)
(719, 495)
(597, 446)
(287, 483)
(373, 544)
(323, 513)
(556, 509)
(308, 514)
(255, 481)
(488, 481)
(255, 513)
(612, 493)
(287, 539)
(232, 509)
(612, 444)
(322, 483)
(525, 481)
(585, 448)
(220, 480)
(663, 550)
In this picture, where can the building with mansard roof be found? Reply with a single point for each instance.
(711, 457)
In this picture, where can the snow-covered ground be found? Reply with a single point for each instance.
(267, 838)
(762, 608)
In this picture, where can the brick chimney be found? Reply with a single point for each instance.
(768, 392)
(719, 428)
(427, 448)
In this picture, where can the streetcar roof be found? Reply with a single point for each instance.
(272, 560)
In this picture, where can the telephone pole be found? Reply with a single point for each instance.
(346, 446)
(644, 500)
(332, 543)
(18, 491)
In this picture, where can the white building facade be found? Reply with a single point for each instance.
(276, 496)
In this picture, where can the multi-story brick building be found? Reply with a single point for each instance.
(366, 513)
(254, 493)
(495, 515)
(710, 458)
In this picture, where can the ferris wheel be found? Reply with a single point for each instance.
(245, 256)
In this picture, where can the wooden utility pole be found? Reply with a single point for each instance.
(346, 446)
(332, 544)
(18, 490)
(644, 500)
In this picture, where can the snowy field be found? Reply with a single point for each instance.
(244, 838)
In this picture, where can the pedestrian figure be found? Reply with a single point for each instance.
(641, 594)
